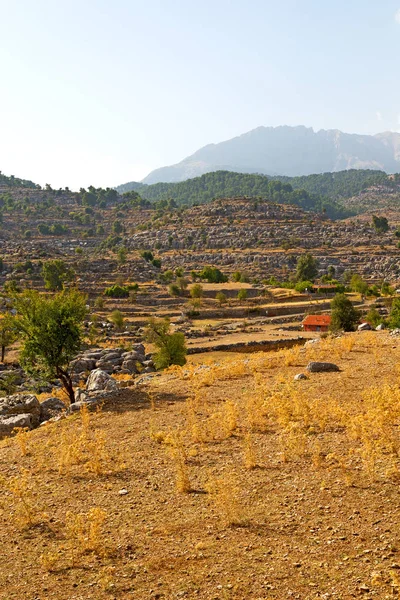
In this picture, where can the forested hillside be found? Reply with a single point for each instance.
(342, 184)
(314, 192)
(11, 181)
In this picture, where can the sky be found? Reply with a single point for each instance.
(100, 92)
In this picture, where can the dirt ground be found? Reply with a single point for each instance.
(221, 480)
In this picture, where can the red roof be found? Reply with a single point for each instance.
(318, 320)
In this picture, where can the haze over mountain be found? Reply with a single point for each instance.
(291, 151)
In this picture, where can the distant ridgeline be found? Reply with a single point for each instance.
(321, 193)
(12, 181)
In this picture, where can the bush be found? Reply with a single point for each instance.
(394, 319)
(196, 291)
(213, 275)
(302, 286)
(156, 262)
(174, 290)
(117, 319)
(221, 298)
(147, 255)
(116, 291)
(171, 346)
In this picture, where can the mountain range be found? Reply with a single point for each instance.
(291, 151)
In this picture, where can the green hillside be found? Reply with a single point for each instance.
(11, 181)
(313, 192)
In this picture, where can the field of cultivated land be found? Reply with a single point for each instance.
(221, 480)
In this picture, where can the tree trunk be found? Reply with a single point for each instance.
(66, 380)
(3, 353)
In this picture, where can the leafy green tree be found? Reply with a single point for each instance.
(147, 255)
(56, 274)
(122, 255)
(8, 333)
(174, 290)
(221, 298)
(213, 275)
(344, 315)
(116, 291)
(197, 291)
(117, 227)
(306, 268)
(168, 276)
(358, 284)
(394, 317)
(171, 347)
(117, 319)
(236, 276)
(302, 286)
(182, 282)
(156, 262)
(380, 224)
(51, 329)
(373, 317)
(242, 295)
(387, 289)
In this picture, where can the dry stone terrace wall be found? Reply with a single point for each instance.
(233, 234)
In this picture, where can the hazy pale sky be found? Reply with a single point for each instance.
(103, 91)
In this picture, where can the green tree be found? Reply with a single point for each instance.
(122, 255)
(56, 273)
(221, 298)
(387, 289)
(174, 290)
(51, 329)
(344, 315)
(380, 224)
(117, 319)
(242, 295)
(358, 284)
(117, 227)
(171, 347)
(197, 291)
(373, 317)
(394, 318)
(306, 268)
(8, 333)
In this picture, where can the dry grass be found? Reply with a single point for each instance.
(249, 485)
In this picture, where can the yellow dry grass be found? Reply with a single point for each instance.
(223, 480)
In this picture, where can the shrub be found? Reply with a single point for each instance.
(116, 291)
(171, 346)
(221, 298)
(197, 291)
(147, 255)
(213, 275)
(156, 262)
(394, 319)
(117, 319)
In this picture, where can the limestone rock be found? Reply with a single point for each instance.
(18, 404)
(9, 423)
(300, 377)
(82, 364)
(321, 367)
(51, 407)
(99, 380)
